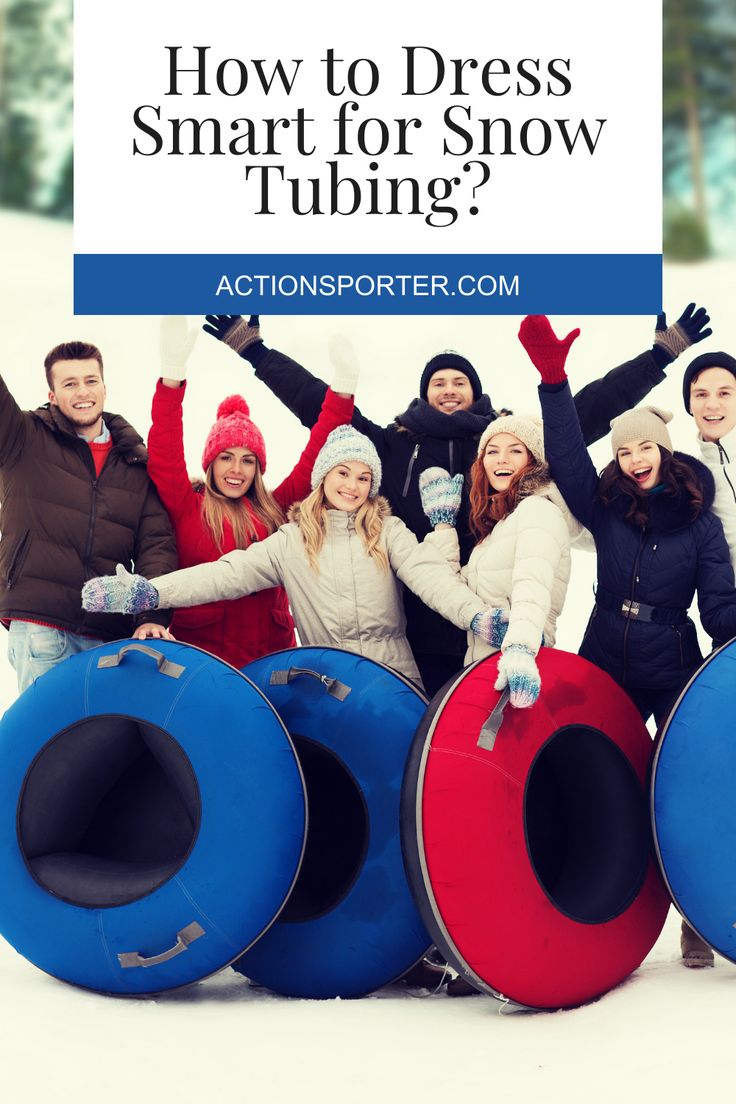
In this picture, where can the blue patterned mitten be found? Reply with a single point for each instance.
(441, 495)
(491, 625)
(517, 669)
(119, 593)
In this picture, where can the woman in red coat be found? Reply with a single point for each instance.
(231, 507)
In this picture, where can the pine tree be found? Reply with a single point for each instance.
(699, 68)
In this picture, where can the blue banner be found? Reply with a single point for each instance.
(330, 284)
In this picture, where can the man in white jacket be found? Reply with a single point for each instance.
(709, 392)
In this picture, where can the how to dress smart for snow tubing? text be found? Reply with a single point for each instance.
(526, 834)
(152, 818)
(351, 924)
(693, 810)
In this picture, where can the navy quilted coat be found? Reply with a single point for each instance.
(663, 564)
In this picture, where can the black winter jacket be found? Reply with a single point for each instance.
(422, 437)
(61, 524)
(662, 565)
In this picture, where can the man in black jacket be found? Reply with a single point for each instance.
(441, 428)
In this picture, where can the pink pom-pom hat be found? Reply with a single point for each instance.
(234, 429)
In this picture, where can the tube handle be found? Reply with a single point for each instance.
(333, 686)
(187, 935)
(489, 731)
(165, 666)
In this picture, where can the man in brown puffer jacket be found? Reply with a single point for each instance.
(75, 500)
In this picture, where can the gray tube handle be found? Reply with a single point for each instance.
(333, 686)
(489, 731)
(165, 666)
(187, 935)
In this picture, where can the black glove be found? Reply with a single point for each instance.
(234, 330)
(670, 341)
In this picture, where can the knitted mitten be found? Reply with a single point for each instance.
(234, 330)
(686, 331)
(441, 495)
(546, 352)
(491, 625)
(119, 593)
(346, 368)
(177, 342)
(517, 669)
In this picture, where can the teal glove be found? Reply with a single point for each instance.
(119, 593)
(441, 495)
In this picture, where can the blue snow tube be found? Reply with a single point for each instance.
(152, 817)
(350, 925)
(693, 809)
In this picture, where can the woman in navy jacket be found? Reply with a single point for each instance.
(657, 542)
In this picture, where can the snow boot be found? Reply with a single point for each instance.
(459, 987)
(695, 953)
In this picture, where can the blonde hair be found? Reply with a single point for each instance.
(312, 526)
(257, 501)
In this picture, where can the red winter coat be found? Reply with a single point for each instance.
(257, 624)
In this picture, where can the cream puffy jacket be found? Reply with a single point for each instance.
(717, 456)
(350, 602)
(522, 566)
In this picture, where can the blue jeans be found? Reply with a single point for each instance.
(35, 649)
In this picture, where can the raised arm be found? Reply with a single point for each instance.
(289, 381)
(571, 467)
(167, 465)
(625, 386)
(337, 409)
(12, 427)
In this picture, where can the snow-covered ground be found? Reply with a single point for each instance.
(664, 1034)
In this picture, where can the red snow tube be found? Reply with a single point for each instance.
(530, 851)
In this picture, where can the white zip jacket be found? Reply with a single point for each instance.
(522, 566)
(350, 602)
(717, 457)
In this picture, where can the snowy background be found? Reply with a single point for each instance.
(665, 1033)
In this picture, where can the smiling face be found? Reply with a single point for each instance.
(713, 403)
(640, 461)
(77, 389)
(348, 485)
(505, 455)
(233, 471)
(449, 392)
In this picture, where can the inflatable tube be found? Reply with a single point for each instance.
(152, 817)
(350, 925)
(693, 810)
(529, 848)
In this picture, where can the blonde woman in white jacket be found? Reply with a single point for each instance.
(520, 567)
(342, 559)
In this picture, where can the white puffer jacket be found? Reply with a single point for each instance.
(522, 566)
(717, 457)
(350, 602)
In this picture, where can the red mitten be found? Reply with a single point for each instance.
(546, 352)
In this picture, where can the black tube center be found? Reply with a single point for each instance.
(337, 834)
(586, 825)
(108, 812)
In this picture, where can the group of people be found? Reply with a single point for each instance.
(474, 512)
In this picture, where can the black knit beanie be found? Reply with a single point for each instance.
(454, 363)
(705, 360)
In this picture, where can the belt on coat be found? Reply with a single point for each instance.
(639, 611)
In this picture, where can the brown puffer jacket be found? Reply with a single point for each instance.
(61, 525)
